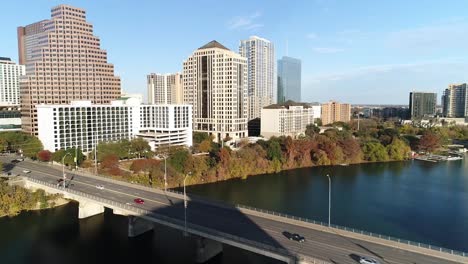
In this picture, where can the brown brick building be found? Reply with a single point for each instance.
(64, 63)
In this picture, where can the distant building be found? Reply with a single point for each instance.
(164, 88)
(455, 101)
(317, 109)
(215, 83)
(286, 119)
(289, 79)
(64, 63)
(84, 124)
(335, 112)
(422, 104)
(10, 74)
(10, 115)
(261, 75)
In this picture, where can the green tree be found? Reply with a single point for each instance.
(398, 150)
(312, 130)
(31, 146)
(140, 148)
(374, 151)
(274, 150)
(178, 159)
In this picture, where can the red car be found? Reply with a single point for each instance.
(139, 201)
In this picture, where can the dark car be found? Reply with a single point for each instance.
(139, 201)
(295, 237)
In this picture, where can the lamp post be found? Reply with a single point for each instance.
(165, 173)
(185, 205)
(329, 199)
(63, 168)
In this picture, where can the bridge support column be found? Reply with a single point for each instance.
(138, 226)
(87, 209)
(207, 249)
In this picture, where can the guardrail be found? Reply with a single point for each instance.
(208, 231)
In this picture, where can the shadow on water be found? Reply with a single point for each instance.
(57, 236)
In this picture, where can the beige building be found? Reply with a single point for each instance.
(164, 88)
(335, 112)
(64, 63)
(286, 119)
(215, 83)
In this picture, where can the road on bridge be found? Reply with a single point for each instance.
(328, 246)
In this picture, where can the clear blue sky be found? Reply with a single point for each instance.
(352, 51)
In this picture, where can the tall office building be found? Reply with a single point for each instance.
(215, 83)
(455, 101)
(164, 88)
(260, 54)
(10, 74)
(335, 112)
(64, 63)
(422, 104)
(289, 79)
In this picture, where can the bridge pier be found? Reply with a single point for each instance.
(138, 226)
(87, 209)
(207, 249)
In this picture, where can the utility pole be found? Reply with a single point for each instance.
(95, 154)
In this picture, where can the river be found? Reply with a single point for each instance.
(419, 201)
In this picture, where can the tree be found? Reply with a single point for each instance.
(205, 145)
(274, 150)
(312, 130)
(140, 147)
(374, 151)
(178, 159)
(199, 137)
(398, 149)
(44, 155)
(429, 142)
(31, 147)
(110, 161)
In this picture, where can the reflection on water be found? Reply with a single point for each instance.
(420, 201)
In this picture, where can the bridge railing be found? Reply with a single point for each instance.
(358, 231)
(143, 212)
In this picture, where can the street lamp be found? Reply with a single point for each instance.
(63, 168)
(165, 173)
(329, 199)
(185, 205)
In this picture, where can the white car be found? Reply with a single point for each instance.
(367, 260)
(100, 187)
(26, 171)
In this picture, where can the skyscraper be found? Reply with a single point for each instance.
(260, 54)
(289, 79)
(165, 88)
(215, 83)
(64, 63)
(422, 104)
(455, 101)
(10, 73)
(335, 112)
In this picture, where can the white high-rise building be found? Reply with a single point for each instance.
(260, 54)
(10, 73)
(215, 83)
(164, 88)
(84, 124)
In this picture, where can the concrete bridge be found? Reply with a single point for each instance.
(214, 224)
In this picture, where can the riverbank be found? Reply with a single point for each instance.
(16, 199)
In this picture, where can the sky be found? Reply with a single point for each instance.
(360, 52)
